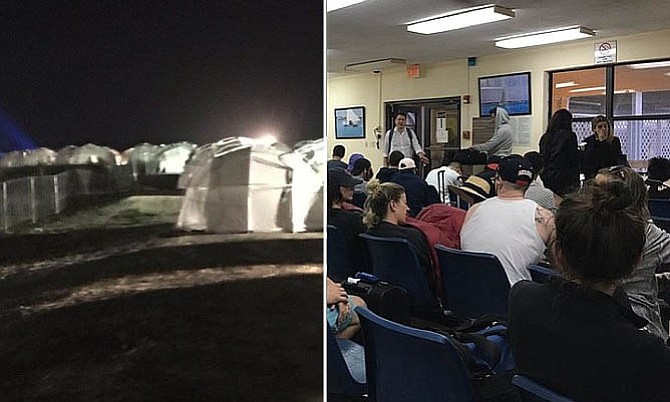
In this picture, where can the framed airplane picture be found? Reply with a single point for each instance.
(350, 122)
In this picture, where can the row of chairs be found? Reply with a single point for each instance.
(472, 284)
(408, 364)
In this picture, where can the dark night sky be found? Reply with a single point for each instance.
(117, 73)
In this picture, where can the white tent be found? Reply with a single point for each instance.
(13, 159)
(307, 166)
(172, 158)
(86, 154)
(234, 185)
(142, 159)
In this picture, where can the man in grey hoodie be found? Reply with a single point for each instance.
(501, 143)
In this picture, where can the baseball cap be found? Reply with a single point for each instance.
(477, 187)
(406, 163)
(341, 177)
(492, 162)
(516, 169)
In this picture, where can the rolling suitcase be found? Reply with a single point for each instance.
(384, 299)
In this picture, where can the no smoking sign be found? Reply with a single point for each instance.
(605, 52)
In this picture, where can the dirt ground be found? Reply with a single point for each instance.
(144, 313)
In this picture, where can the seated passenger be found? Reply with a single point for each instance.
(537, 191)
(340, 187)
(362, 170)
(386, 173)
(385, 210)
(452, 171)
(416, 188)
(340, 313)
(641, 285)
(577, 336)
(509, 226)
(658, 177)
(476, 188)
(336, 160)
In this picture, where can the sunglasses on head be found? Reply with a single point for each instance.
(617, 170)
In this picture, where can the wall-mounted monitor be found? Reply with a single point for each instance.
(510, 91)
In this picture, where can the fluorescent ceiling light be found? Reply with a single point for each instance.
(566, 84)
(332, 5)
(625, 91)
(544, 37)
(589, 89)
(375, 65)
(657, 64)
(460, 19)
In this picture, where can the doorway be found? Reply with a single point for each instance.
(436, 122)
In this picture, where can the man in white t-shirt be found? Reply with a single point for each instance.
(403, 139)
(452, 171)
(514, 229)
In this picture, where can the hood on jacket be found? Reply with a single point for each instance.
(502, 117)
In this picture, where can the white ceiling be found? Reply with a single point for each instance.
(375, 29)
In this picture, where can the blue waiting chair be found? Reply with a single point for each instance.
(542, 274)
(338, 266)
(393, 260)
(345, 361)
(473, 284)
(532, 391)
(409, 364)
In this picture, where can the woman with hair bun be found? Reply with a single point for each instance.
(385, 210)
(577, 334)
(602, 148)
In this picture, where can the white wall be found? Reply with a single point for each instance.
(456, 78)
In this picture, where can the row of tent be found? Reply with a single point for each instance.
(150, 159)
(237, 184)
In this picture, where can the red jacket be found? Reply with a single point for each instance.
(440, 224)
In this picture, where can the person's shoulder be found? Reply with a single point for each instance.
(528, 290)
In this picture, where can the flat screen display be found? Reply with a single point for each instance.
(510, 91)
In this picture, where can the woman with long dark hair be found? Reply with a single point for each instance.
(558, 147)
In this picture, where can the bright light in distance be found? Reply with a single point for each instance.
(267, 138)
(332, 5)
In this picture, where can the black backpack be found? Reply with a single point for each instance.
(482, 343)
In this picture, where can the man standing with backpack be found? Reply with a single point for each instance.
(403, 139)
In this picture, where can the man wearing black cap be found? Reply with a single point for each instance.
(340, 186)
(514, 229)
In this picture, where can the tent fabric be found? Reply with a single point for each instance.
(172, 158)
(241, 184)
(86, 154)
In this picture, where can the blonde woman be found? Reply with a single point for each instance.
(602, 148)
(385, 211)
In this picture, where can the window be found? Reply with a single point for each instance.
(636, 96)
(642, 89)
